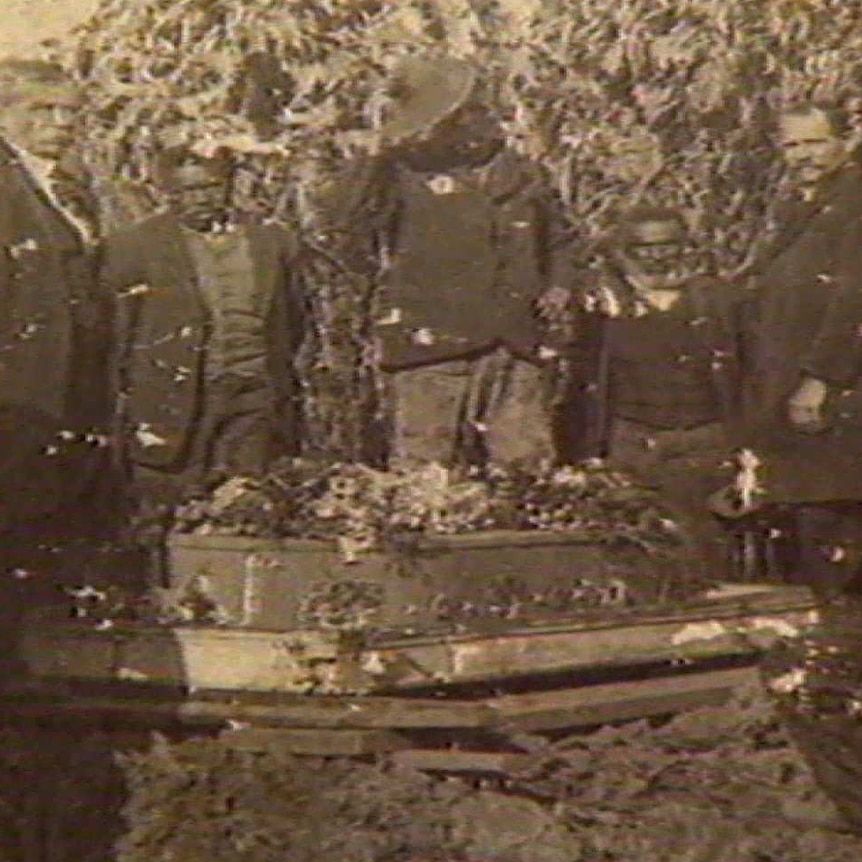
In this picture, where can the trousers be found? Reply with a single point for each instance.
(494, 408)
(684, 466)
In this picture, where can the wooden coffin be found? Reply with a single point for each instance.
(264, 583)
(199, 658)
(186, 657)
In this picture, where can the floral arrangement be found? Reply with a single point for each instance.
(363, 508)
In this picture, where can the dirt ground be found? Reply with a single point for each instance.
(716, 785)
(26, 23)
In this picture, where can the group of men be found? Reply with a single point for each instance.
(164, 353)
(739, 398)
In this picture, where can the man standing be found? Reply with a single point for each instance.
(52, 385)
(53, 380)
(462, 237)
(208, 321)
(657, 368)
(805, 386)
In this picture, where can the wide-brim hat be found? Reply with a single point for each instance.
(426, 90)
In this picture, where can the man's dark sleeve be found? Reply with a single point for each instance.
(122, 285)
(297, 298)
(357, 214)
(93, 328)
(581, 417)
(557, 239)
(836, 351)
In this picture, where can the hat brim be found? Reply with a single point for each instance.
(435, 89)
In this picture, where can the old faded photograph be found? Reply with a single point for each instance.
(430, 430)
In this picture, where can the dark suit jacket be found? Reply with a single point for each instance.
(809, 323)
(48, 314)
(716, 307)
(162, 328)
(46, 285)
(466, 264)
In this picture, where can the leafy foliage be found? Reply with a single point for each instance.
(364, 508)
(598, 92)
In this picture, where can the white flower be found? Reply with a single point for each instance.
(569, 476)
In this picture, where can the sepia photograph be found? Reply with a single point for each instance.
(430, 430)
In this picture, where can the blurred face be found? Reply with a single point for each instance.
(41, 118)
(810, 146)
(200, 194)
(471, 133)
(656, 255)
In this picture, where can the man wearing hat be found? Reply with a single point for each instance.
(462, 237)
(208, 320)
